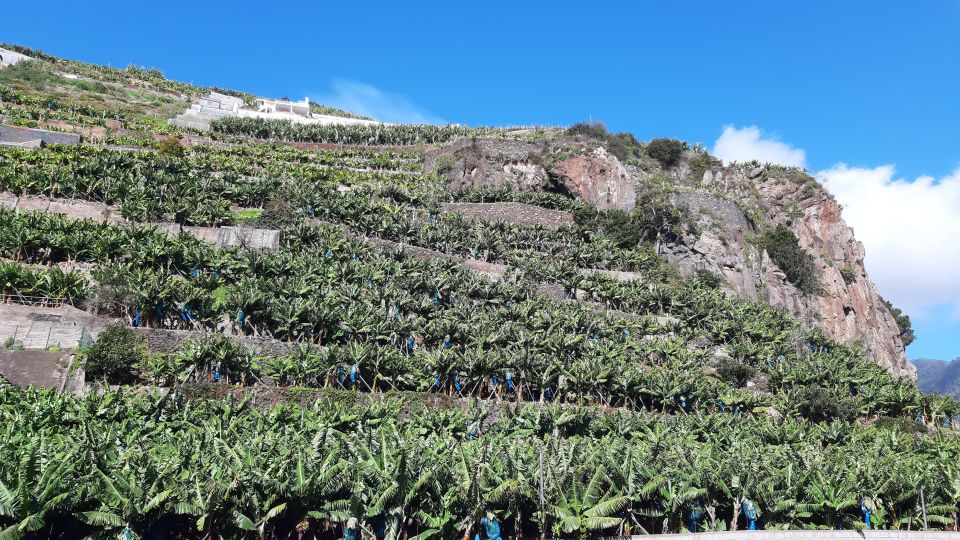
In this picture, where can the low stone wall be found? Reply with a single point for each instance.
(511, 212)
(258, 239)
(171, 341)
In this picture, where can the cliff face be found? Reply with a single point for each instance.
(729, 206)
(847, 307)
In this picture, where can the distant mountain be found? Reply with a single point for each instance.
(939, 375)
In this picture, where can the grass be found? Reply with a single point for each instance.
(247, 216)
(38, 77)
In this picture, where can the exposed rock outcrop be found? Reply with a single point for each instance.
(728, 204)
(847, 311)
(479, 162)
(598, 178)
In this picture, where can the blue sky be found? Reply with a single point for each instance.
(864, 93)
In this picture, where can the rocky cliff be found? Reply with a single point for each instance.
(729, 207)
(847, 305)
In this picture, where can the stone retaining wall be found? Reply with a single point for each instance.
(171, 341)
(259, 239)
(511, 212)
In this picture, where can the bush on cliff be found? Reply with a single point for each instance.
(785, 251)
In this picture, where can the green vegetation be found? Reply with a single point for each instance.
(849, 275)
(39, 285)
(798, 265)
(317, 108)
(170, 146)
(667, 152)
(361, 370)
(114, 356)
(708, 279)
(223, 467)
(247, 216)
(379, 134)
(700, 163)
(624, 145)
(903, 322)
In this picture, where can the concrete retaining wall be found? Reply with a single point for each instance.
(41, 369)
(23, 136)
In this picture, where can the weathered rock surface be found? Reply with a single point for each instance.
(598, 178)
(849, 312)
(480, 162)
(594, 176)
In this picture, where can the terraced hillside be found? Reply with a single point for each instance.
(297, 325)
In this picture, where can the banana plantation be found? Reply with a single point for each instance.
(373, 135)
(416, 396)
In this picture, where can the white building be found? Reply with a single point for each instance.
(299, 108)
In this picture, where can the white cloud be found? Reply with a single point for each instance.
(367, 100)
(911, 231)
(748, 144)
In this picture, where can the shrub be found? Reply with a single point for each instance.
(903, 323)
(623, 228)
(903, 425)
(114, 356)
(785, 251)
(699, 165)
(444, 164)
(817, 403)
(849, 275)
(277, 213)
(734, 372)
(667, 152)
(593, 130)
(171, 146)
(624, 146)
(707, 279)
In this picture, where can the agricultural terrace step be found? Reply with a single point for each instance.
(33, 327)
(74, 209)
(615, 274)
(41, 369)
(262, 239)
(511, 212)
(36, 327)
(492, 270)
(496, 271)
(171, 341)
(804, 535)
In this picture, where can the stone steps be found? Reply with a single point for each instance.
(206, 110)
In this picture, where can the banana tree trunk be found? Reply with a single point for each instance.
(736, 515)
